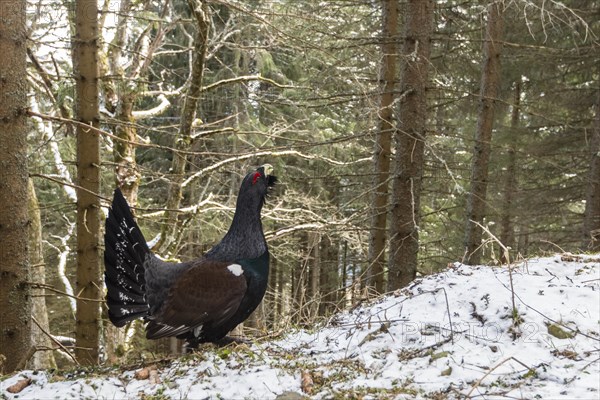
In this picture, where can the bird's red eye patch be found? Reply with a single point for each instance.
(255, 177)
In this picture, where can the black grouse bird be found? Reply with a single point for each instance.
(200, 300)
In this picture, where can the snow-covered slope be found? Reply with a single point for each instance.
(450, 335)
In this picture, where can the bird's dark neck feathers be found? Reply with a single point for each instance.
(245, 238)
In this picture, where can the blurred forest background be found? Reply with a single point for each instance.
(406, 135)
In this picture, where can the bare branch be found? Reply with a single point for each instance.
(272, 154)
(247, 78)
(55, 341)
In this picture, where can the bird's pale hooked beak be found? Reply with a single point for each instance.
(268, 168)
(271, 179)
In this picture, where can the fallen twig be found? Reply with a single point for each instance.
(577, 331)
(590, 363)
(516, 320)
(476, 384)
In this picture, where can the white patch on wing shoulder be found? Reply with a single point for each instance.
(235, 269)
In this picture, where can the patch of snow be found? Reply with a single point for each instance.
(450, 335)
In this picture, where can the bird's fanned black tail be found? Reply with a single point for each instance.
(125, 252)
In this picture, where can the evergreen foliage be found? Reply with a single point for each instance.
(295, 83)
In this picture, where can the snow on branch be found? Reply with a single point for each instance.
(159, 109)
(247, 78)
(63, 254)
(291, 229)
(46, 130)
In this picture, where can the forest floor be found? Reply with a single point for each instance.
(449, 335)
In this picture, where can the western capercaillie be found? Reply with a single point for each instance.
(200, 300)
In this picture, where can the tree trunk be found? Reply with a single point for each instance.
(385, 127)
(43, 357)
(410, 144)
(355, 287)
(256, 320)
(15, 335)
(299, 283)
(490, 80)
(121, 100)
(344, 266)
(272, 295)
(329, 276)
(523, 242)
(507, 234)
(314, 260)
(127, 178)
(85, 68)
(591, 221)
(188, 115)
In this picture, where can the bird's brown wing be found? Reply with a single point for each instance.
(210, 291)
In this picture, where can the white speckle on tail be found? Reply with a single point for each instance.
(235, 269)
(123, 297)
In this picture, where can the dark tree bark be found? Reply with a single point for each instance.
(490, 79)
(344, 268)
(507, 234)
(85, 68)
(329, 276)
(591, 221)
(314, 286)
(385, 128)
(410, 144)
(15, 300)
